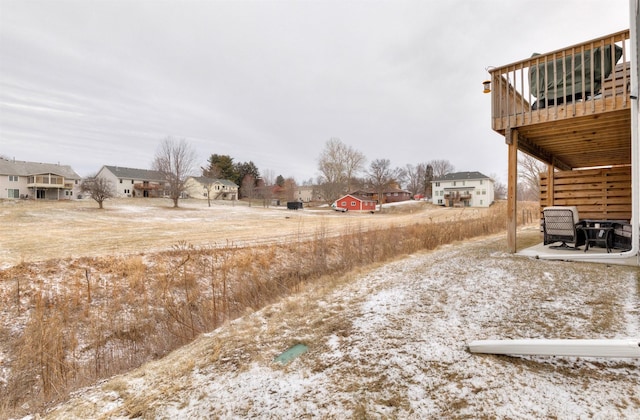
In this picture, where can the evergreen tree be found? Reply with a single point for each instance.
(221, 166)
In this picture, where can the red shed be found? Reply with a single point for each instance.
(354, 203)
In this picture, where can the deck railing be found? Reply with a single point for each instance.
(45, 180)
(583, 79)
(148, 186)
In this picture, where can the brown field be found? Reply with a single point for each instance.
(39, 230)
(91, 293)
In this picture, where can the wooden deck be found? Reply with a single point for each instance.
(571, 109)
(593, 130)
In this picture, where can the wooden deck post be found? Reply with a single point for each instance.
(511, 138)
(550, 184)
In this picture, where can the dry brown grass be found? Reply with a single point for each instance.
(316, 314)
(39, 231)
(97, 314)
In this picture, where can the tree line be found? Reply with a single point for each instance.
(341, 169)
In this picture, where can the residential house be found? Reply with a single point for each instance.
(390, 194)
(216, 189)
(576, 110)
(352, 202)
(34, 180)
(395, 195)
(307, 193)
(131, 182)
(463, 189)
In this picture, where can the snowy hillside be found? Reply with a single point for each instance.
(391, 343)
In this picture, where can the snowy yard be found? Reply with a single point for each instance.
(390, 342)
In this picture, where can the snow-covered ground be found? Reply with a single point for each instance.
(391, 343)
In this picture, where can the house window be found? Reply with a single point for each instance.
(437, 184)
(395, 194)
(344, 204)
(484, 192)
(132, 182)
(13, 178)
(13, 193)
(481, 202)
(454, 183)
(480, 182)
(121, 181)
(353, 204)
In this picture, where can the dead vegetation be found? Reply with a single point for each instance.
(362, 369)
(73, 320)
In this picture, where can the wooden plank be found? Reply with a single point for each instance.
(512, 191)
(603, 193)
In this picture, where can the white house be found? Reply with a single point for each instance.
(463, 189)
(217, 189)
(34, 180)
(131, 182)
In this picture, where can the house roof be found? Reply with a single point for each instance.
(133, 173)
(459, 176)
(359, 198)
(373, 191)
(206, 180)
(23, 168)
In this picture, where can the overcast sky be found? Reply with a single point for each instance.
(90, 83)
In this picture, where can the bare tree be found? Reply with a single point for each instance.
(175, 159)
(290, 187)
(98, 188)
(207, 184)
(209, 176)
(441, 167)
(354, 163)
(419, 178)
(332, 169)
(338, 165)
(381, 176)
(248, 187)
(269, 176)
(499, 188)
(529, 169)
(413, 179)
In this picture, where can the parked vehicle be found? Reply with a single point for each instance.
(336, 208)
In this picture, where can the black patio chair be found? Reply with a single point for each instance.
(561, 224)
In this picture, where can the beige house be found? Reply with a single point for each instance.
(216, 189)
(307, 193)
(34, 180)
(131, 182)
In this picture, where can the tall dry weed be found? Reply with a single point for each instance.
(121, 312)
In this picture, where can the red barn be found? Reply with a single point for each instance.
(354, 203)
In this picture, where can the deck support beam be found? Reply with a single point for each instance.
(511, 138)
(540, 153)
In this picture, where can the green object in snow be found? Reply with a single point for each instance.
(291, 353)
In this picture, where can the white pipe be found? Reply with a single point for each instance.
(634, 20)
(569, 347)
